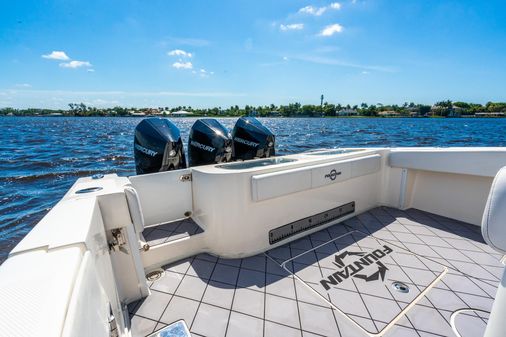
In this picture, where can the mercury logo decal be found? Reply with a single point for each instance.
(146, 151)
(202, 146)
(333, 175)
(361, 264)
(246, 142)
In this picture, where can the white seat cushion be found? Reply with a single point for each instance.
(493, 225)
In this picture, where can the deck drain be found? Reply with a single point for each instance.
(400, 287)
(155, 275)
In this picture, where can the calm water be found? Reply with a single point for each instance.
(40, 158)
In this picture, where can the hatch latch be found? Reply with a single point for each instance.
(186, 177)
(118, 241)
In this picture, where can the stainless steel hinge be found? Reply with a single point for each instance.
(113, 327)
(186, 177)
(118, 241)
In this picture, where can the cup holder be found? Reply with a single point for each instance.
(89, 190)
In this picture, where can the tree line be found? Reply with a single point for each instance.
(439, 109)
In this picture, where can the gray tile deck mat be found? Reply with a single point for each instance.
(256, 296)
(171, 231)
(361, 276)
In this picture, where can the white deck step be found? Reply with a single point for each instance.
(171, 231)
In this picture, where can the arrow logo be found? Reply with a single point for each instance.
(363, 262)
(339, 258)
(382, 270)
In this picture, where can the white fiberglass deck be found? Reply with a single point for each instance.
(445, 263)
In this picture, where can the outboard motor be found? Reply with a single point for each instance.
(158, 146)
(252, 139)
(209, 143)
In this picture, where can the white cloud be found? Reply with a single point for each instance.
(342, 63)
(205, 73)
(365, 72)
(23, 85)
(101, 102)
(182, 65)
(331, 30)
(75, 64)
(90, 70)
(313, 10)
(317, 11)
(293, 26)
(62, 56)
(179, 52)
(120, 93)
(285, 58)
(57, 55)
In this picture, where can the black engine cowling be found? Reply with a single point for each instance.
(158, 146)
(252, 139)
(209, 143)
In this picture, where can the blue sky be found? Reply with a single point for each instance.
(222, 53)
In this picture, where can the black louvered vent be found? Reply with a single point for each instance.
(296, 227)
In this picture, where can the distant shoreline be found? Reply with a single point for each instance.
(441, 109)
(237, 116)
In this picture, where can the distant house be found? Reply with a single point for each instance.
(455, 111)
(389, 113)
(490, 114)
(136, 114)
(151, 111)
(181, 113)
(347, 112)
(415, 112)
(437, 109)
